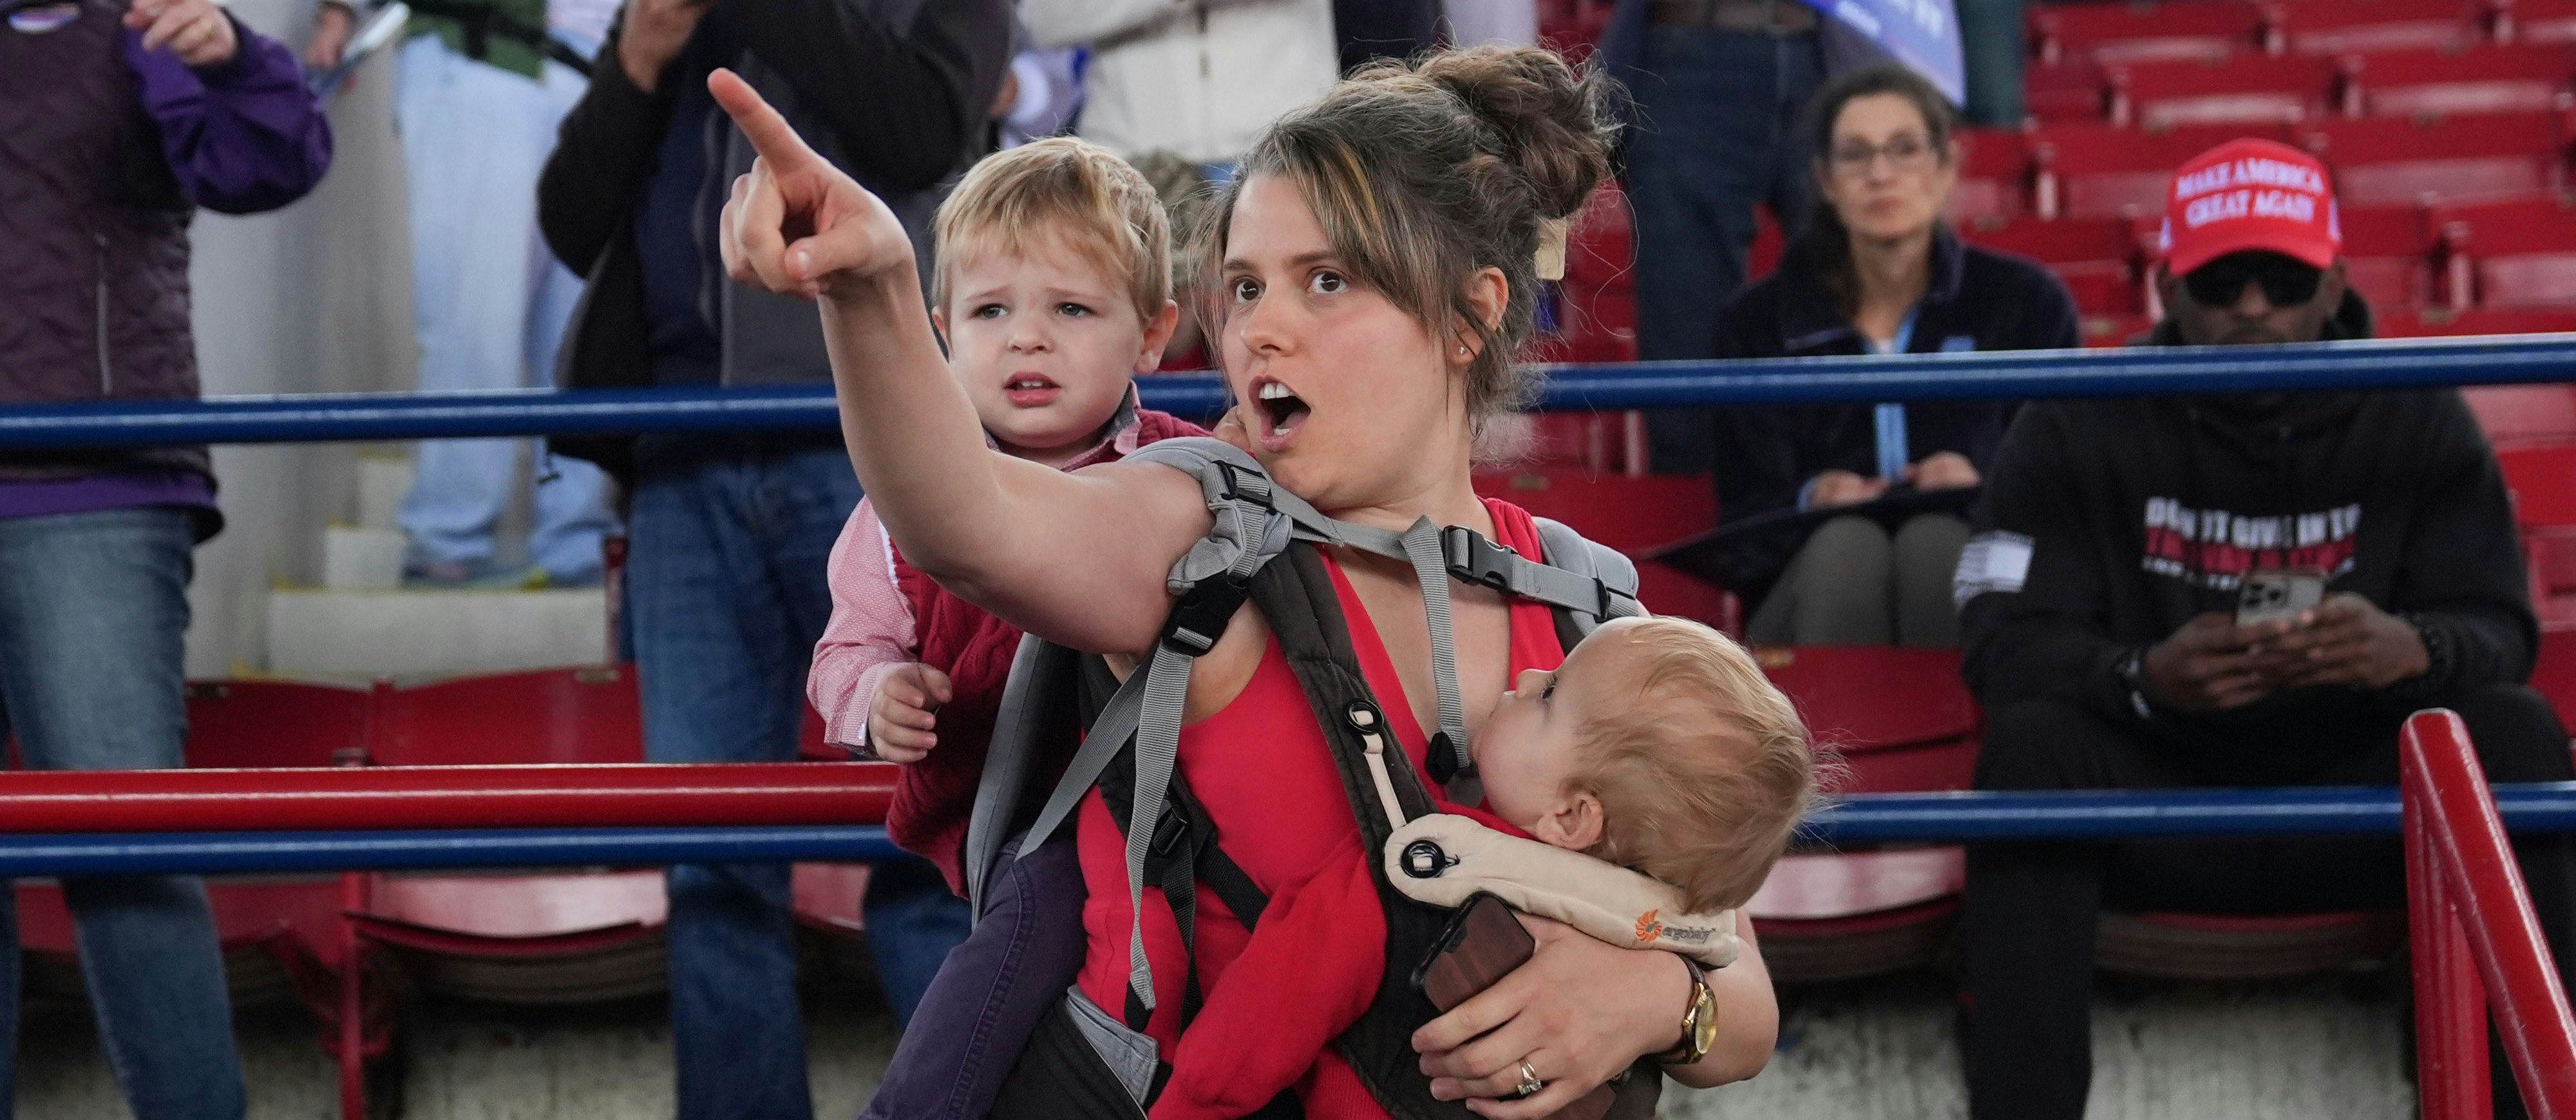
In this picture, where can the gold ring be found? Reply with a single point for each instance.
(1529, 1081)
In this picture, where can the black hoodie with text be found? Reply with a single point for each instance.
(2108, 524)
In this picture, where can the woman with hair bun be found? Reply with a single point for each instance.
(1371, 274)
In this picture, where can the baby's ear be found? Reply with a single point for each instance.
(1574, 824)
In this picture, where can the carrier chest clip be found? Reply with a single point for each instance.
(1475, 560)
(1201, 614)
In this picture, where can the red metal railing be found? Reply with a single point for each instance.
(397, 797)
(2475, 937)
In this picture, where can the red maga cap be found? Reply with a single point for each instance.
(2250, 194)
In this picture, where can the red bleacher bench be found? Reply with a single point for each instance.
(2238, 91)
(2510, 254)
(2473, 158)
(2485, 79)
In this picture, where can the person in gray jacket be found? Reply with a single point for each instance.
(730, 533)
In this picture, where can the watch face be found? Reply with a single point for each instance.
(1703, 1021)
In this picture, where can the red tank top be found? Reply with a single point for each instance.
(1266, 776)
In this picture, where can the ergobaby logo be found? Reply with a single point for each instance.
(2213, 548)
(1650, 927)
(2249, 187)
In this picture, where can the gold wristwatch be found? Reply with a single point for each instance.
(1699, 1024)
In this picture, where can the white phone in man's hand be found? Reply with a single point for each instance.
(2270, 594)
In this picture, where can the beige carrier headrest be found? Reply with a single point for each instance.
(1443, 859)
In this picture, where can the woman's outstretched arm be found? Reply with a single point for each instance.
(1079, 559)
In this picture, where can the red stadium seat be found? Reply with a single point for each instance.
(2114, 330)
(2098, 258)
(1994, 171)
(1596, 304)
(2521, 415)
(1628, 513)
(2487, 79)
(2233, 947)
(255, 723)
(2534, 21)
(550, 715)
(1770, 242)
(2350, 27)
(2403, 161)
(1902, 721)
(1573, 27)
(2150, 32)
(1632, 513)
(2542, 476)
(2389, 255)
(2239, 91)
(2065, 92)
(2442, 322)
(2103, 171)
(2515, 254)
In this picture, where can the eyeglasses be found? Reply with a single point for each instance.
(1904, 154)
(2285, 282)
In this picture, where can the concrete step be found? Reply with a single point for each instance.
(352, 636)
(383, 480)
(355, 557)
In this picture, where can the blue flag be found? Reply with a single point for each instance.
(1921, 34)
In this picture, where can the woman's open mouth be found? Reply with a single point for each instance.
(1031, 390)
(1279, 411)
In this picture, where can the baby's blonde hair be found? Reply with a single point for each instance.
(1065, 188)
(1702, 766)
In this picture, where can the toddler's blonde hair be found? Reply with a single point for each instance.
(1064, 188)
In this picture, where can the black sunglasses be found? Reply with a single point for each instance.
(2285, 282)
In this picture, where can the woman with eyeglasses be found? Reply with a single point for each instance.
(1877, 271)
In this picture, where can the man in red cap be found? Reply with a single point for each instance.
(2100, 622)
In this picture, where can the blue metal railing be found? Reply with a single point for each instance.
(1861, 819)
(2414, 363)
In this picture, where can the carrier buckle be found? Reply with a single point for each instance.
(1236, 490)
(1473, 559)
(1200, 615)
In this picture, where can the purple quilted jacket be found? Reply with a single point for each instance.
(105, 151)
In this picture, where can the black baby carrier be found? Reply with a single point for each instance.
(1085, 1061)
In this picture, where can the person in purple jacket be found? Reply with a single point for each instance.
(118, 118)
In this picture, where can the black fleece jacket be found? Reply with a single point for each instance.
(1977, 300)
(891, 91)
(2108, 524)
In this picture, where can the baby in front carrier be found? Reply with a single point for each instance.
(1657, 745)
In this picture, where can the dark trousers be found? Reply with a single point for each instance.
(2031, 907)
(1718, 134)
(992, 991)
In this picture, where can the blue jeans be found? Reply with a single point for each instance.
(93, 607)
(489, 301)
(1719, 132)
(726, 588)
